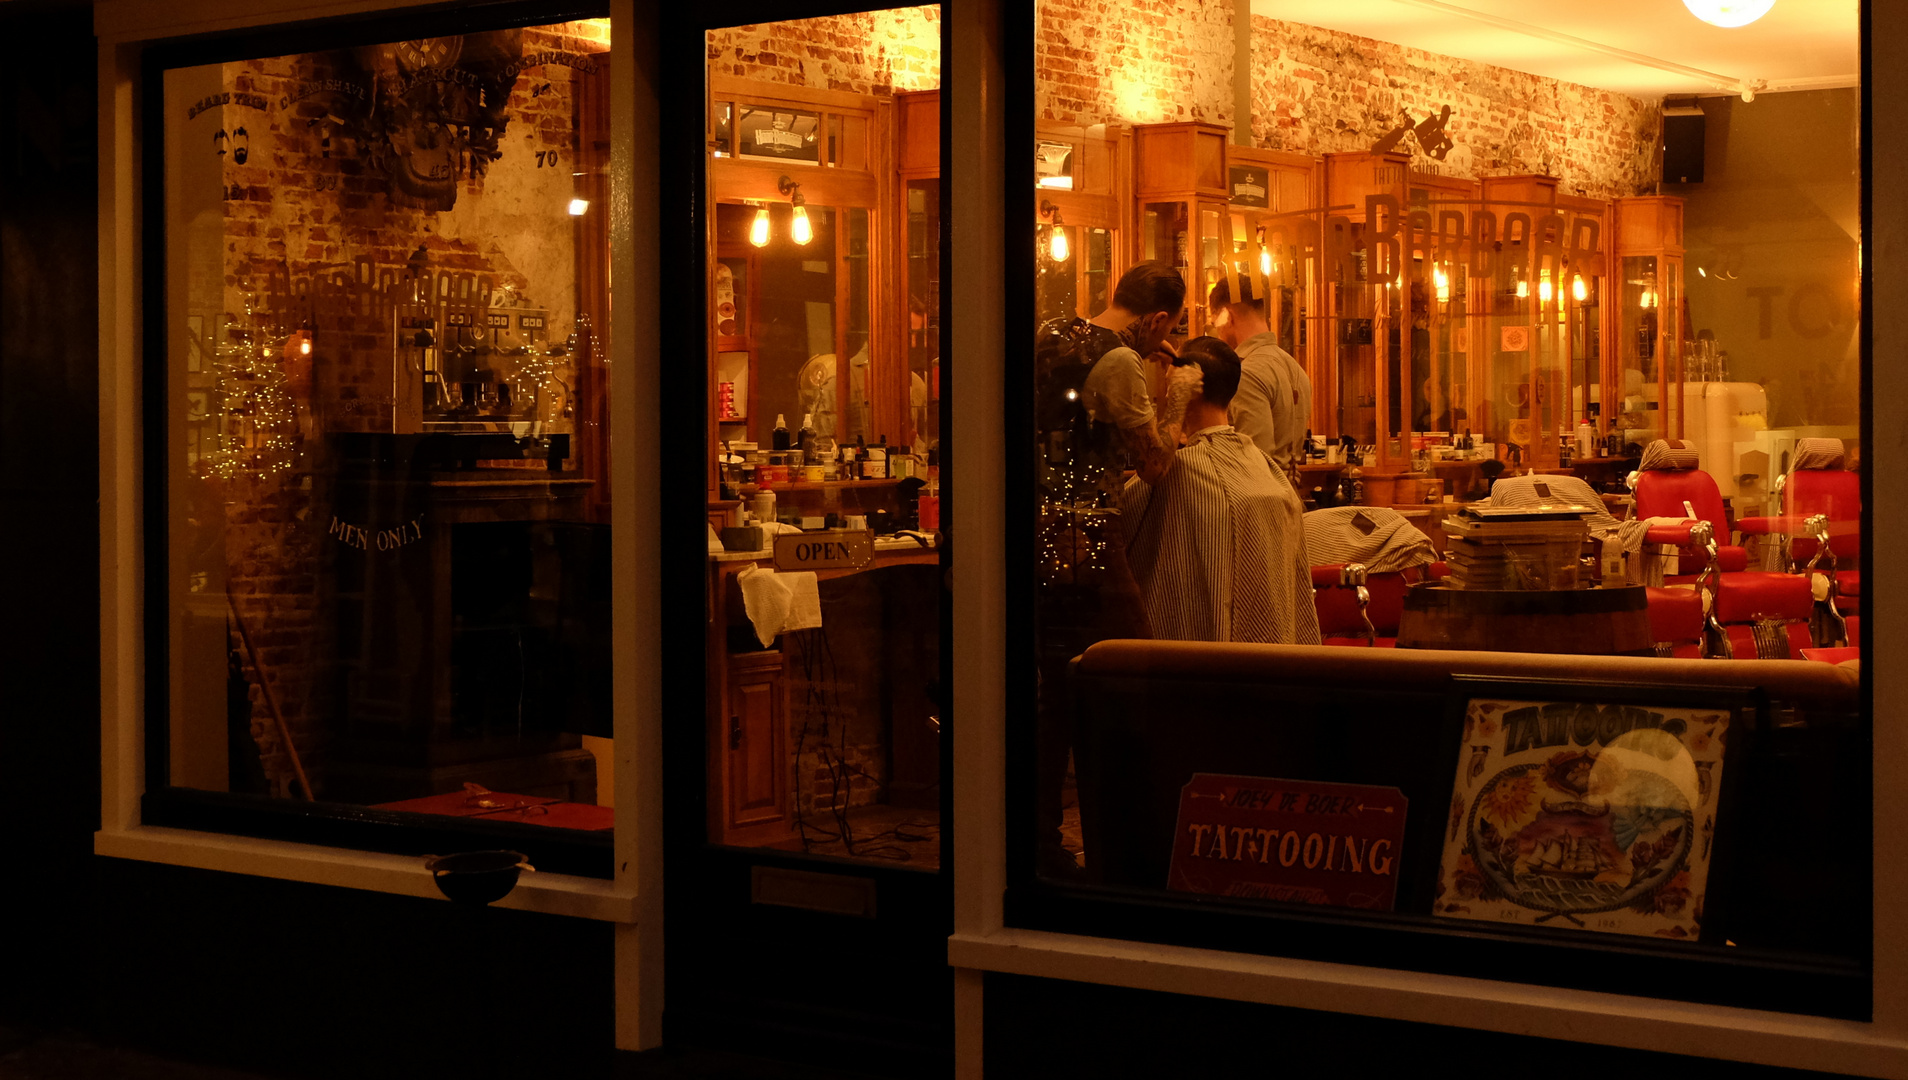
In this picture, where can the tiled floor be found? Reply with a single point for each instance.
(887, 834)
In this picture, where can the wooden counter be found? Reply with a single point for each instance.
(748, 745)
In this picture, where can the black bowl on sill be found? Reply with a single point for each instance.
(477, 877)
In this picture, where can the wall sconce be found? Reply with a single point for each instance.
(798, 230)
(759, 228)
(1058, 248)
(1544, 290)
(1265, 256)
(1579, 290)
(1441, 282)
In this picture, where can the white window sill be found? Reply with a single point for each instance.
(402, 875)
(1641, 1023)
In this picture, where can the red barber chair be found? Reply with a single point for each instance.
(1360, 608)
(1757, 614)
(1818, 522)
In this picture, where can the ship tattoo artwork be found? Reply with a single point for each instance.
(1586, 818)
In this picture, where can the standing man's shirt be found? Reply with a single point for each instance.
(1116, 391)
(1274, 404)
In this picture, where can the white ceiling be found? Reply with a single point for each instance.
(1800, 44)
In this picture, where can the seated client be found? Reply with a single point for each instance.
(1218, 546)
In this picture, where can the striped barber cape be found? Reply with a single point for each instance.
(1218, 548)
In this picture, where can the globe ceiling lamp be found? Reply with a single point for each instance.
(1729, 13)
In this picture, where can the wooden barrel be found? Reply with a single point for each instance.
(1595, 621)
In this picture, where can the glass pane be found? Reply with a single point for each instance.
(387, 408)
(824, 505)
(1488, 346)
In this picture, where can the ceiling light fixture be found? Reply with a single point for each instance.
(1729, 13)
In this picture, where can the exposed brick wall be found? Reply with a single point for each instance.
(1138, 62)
(1316, 91)
(293, 214)
(876, 52)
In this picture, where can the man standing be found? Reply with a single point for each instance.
(1218, 544)
(1274, 404)
(1095, 380)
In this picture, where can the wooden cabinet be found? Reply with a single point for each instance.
(749, 753)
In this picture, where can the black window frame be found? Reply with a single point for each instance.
(339, 825)
(1811, 985)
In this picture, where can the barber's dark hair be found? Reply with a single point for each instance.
(1218, 369)
(1221, 295)
(1150, 287)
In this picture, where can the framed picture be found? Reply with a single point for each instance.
(1586, 807)
(776, 134)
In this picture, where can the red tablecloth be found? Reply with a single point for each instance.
(503, 806)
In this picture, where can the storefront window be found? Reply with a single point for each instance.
(1415, 578)
(386, 547)
(825, 380)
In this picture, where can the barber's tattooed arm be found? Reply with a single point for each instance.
(1150, 456)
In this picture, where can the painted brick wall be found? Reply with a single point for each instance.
(1316, 91)
(876, 52)
(1138, 62)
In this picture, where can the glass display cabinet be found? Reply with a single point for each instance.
(1272, 229)
(1182, 193)
(1084, 179)
(1368, 276)
(1647, 384)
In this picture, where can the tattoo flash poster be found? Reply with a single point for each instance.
(1582, 815)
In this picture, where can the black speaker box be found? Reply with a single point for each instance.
(1683, 147)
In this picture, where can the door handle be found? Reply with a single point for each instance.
(735, 732)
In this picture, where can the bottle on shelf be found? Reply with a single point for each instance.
(807, 436)
(779, 441)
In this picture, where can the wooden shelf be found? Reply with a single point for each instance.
(819, 485)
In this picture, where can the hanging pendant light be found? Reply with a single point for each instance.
(759, 229)
(1729, 13)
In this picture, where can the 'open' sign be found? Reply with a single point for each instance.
(832, 550)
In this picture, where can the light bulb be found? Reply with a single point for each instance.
(759, 229)
(1265, 264)
(1579, 290)
(579, 207)
(1544, 291)
(1442, 282)
(1523, 289)
(798, 230)
(304, 347)
(1729, 13)
(1057, 244)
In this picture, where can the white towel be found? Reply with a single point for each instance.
(778, 603)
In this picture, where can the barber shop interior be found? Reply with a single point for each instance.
(837, 541)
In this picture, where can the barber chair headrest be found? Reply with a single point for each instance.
(1818, 454)
(1677, 454)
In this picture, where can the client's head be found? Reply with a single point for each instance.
(1218, 381)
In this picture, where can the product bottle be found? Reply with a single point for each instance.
(1585, 438)
(807, 435)
(779, 441)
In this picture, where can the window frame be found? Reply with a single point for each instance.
(1400, 943)
(335, 825)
